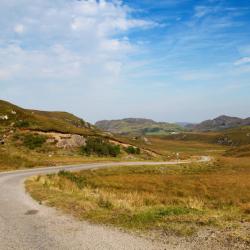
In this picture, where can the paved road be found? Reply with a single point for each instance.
(24, 224)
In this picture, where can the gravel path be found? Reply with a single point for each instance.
(25, 225)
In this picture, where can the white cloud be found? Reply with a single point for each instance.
(201, 11)
(114, 67)
(19, 28)
(81, 41)
(4, 74)
(244, 60)
(83, 24)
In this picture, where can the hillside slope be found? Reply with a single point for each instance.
(14, 116)
(220, 123)
(137, 126)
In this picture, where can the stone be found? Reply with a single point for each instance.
(4, 117)
(71, 141)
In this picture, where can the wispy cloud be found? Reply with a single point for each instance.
(241, 61)
(201, 11)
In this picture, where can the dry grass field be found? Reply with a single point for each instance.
(173, 200)
(167, 146)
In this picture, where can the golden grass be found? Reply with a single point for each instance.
(172, 199)
(168, 147)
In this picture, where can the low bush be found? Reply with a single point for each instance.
(132, 150)
(33, 141)
(22, 124)
(100, 147)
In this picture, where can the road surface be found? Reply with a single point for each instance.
(26, 225)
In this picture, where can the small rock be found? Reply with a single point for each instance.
(71, 141)
(4, 117)
(50, 140)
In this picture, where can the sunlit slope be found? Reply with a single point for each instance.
(14, 116)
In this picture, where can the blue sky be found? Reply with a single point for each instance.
(169, 60)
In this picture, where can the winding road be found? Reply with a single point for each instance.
(25, 225)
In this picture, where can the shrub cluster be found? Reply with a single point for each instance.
(151, 130)
(132, 150)
(79, 180)
(33, 141)
(22, 124)
(100, 147)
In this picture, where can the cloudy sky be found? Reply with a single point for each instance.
(170, 60)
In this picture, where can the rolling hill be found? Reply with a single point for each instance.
(63, 122)
(220, 123)
(137, 126)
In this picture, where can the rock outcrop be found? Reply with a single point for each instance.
(65, 140)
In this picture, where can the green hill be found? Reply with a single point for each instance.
(138, 126)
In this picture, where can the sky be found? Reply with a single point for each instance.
(168, 60)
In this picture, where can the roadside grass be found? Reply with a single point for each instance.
(13, 157)
(25, 149)
(17, 159)
(176, 199)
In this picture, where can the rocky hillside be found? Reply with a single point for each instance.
(220, 123)
(137, 126)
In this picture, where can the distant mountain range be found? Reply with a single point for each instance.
(11, 115)
(138, 126)
(219, 123)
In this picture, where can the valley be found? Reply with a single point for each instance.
(183, 187)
